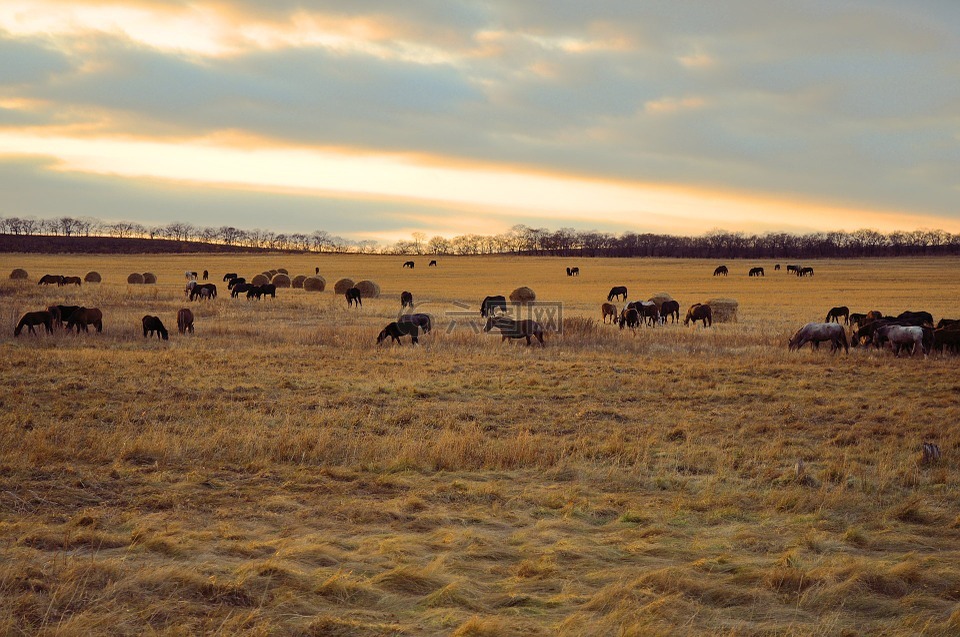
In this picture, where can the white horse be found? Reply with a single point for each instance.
(817, 333)
(189, 287)
(190, 276)
(901, 336)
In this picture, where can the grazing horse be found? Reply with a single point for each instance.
(406, 300)
(944, 339)
(777, 267)
(235, 281)
(670, 308)
(925, 318)
(491, 304)
(699, 312)
(50, 279)
(432, 263)
(255, 291)
(509, 328)
(153, 324)
(409, 264)
(423, 321)
(755, 272)
(573, 271)
(241, 288)
(395, 330)
(805, 271)
(647, 310)
(856, 319)
(721, 270)
(72, 280)
(353, 296)
(793, 268)
(43, 317)
(228, 276)
(816, 333)
(204, 290)
(835, 313)
(900, 336)
(617, 291)
(316, 270)
(630, 317)
(948, 323)
(61, 313)
(185, 321)
(206, 275)
(84, 316)
(609, 309)
(269, 289)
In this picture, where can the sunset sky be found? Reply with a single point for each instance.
(376, 119)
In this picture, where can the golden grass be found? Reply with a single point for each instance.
(277, 473)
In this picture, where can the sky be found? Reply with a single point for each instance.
(375, 119)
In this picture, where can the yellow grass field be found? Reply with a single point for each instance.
(277, 473)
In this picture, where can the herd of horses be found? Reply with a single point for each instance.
(650, 313)
(801, 271)
(59, 280)
(909, 330)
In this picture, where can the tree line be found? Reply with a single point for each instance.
(524, 240)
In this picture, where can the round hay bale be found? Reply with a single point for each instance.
(19, 274)
(659, 298)
(92, 277)
(272, 273)
(368, 289)
(523, 295)
(341, 286)
(314, 284)
(297, 281)
(280, 280)
(136, 278)
(260, 279)
(283, 271)
(724, 310)
(149, 278)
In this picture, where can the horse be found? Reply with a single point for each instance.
(721, 270)
(61, 313)
(206, 275)
(573, 271)
(228, 276)
(84, 316)
(432, 264)
(793, 268)
(409, 264)
(188, 288)
(617, 291)
(255, 291)
(204, 291)
(395, 330)
(629, 317)
(72, 280)
(856, 319)
(190, 276)
(925, 317)
(50, 279)
(874, 315)
(817, 333)
(43, 317)
(608, 309)
(699, 312)
(777, 267)
(235, 281)
(153, 324)
(491, 304)
(241, 288)
(423, 321)
(269, 289)
(755, 272)
(805, 271)
(944, 339)
(900, 336)
(185, 321)
(835, 313)
(670, 308)
(647, 310)
(353, 296)
(948, 323)
(509, 328)
(406, 299)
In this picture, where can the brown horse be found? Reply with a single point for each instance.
(630, 317)
(699, 312)
(50, 279)
(423, 321)
(83, 316)
(835, 313)
(72, 280)
(153, 324)
(43, 317)
(721, 270)
(609, 309)
(509, 328)
(61, 313)
(406, 300)
(670, 308)
(185, 321)
(396, 329)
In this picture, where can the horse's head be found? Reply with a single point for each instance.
(383, 335)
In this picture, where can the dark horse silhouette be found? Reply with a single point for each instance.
(50, 279)
(409, 264)
(197, 290)
(72, 280)
(61, 313)
(406, 300)
(206, 275)
(43, 317)
(84, 316)
(835, 313)
(395, 330)
(423, 321)
(670, 308)
(509, 328)
(229, 275)
(647, 310)
(432, 263)
(755, 272)
(235, 281)
(793, 268)
(926, 318)
(185, 321)
(629, 317)
(805, 271)
(617, 291)
(573, 271)
(491, 304)
(153, 324)
(777, 267)
(353, 296)
(699, 312)
(721, 270)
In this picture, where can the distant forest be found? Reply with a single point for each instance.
(81, 234)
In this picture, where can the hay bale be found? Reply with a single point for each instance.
(314, 284)
(272, 273)
(280, 280)
(523, 295)
(297, 281)
(659, 298)
(283, 271)
(260, 279)
(724, 310)
(368, 289)
(341, 286)
(149, 278)
(92, 277)
(135, 278)
(19, 274)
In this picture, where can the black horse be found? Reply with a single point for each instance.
(406, 300)
(61, 313)
(509, 328)
(629, 317)
(777, 267)
(432, 264)
(808, 271)
(755, 272)
(395, 330)
(44, 317)
(153, 324)
(573, 271)
(206, 275)
(835, 313)
(240, 288)
(269, 289)
(50, 279)
(228, 276)
(670, 308)
(721, 271)
(423, 321)
(409, 264)
(617, 291)
(197, 290)
(491, 304)
(793, 268)
(353, 296)
(925, 317)
(235, 281)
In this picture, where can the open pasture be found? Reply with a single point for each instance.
(277, 473)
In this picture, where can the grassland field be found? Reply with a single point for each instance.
(277, 473)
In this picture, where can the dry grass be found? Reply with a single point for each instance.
(277, 473)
